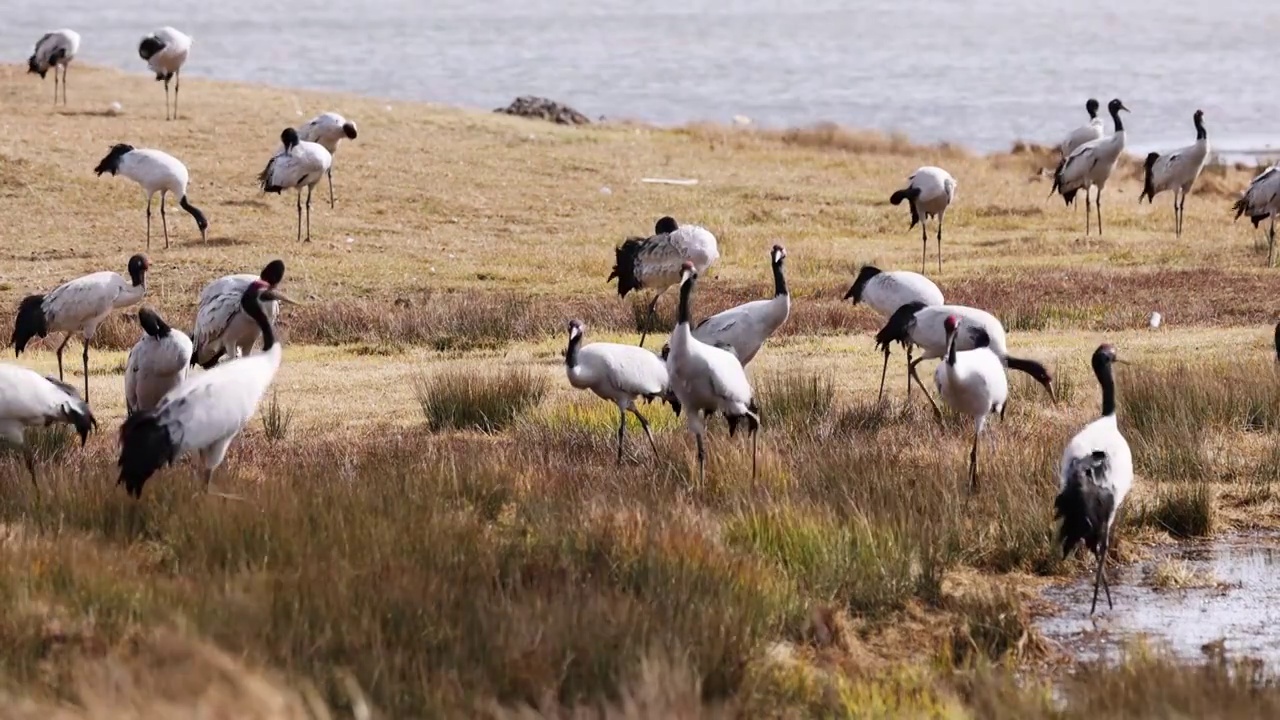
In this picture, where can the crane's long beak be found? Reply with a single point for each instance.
(276, 294)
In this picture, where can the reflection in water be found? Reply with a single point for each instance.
(1243, 609)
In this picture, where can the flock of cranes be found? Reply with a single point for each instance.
(700, 371)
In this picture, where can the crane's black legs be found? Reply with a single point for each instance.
(299, 214)
(885, 371)
(939, 244)
(702, 461)
(622, 429)
(61, 347)
(166, 98)
(912, 369)
(86, 369)
(64, 82)
(309, 189)
(910, 348)
(1101, 577)
(924, 249)
(164, 221)
(177, 85)
(973, 464)
(149, 198)
(1099, 208)
(30, 456)
(1271, 246)
(648, 318)
(644, 424)
(330, 174)
(1088, 210)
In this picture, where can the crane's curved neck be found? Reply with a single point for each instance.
(951, 348)
(571, 353)
(254, 308)
(1201, 134)
(1093, 112)
(682, 313)
(1102, 368)
(1115, 118)
(779, 280)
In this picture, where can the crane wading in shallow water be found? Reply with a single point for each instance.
(78, 307)
(655, 262)
(1094, 478)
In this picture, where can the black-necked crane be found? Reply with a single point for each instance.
(52, 51)
(1277, 342)
(973, 383)
(1176, 171)
(327, 130)
(744, 329)
(1085, 133)
(915, 325)
(620, 374)
(206, 412)
(78, 307)
(155, 171)
(885, 292)
(156, 364)
(929, 192)
(166, 51)
(1094, 478)
(654, 262)
(707, 379)
(1261, 200)
(222, 327)
(29, 399)
(1090, 165)
(301, 164)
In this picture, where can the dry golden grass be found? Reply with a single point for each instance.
(456, 573)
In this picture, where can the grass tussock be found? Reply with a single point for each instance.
(488, 402)
(993, 626)
(1173, 574)
(1240, 395)
(797, 400)
(276, 420)
(1184, 510)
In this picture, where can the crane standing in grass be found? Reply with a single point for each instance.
(655, 261)
(744, 329)
(925, 327)
(157, 363)
(620, 374)
(972, 382)
(28, 399)
(707, 379)
(301, 164)
(1090, 165)
(1095, 476)
(79, 306)
(1176, 171)
(1261, 200)
(885, 292)
(327, 130)
(929, 192)
(166, 51)
(52, 51)
(206, 412)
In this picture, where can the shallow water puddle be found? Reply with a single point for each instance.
(1241, 608)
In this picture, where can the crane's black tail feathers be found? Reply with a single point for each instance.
(1070, 195)
(624, 265)
(145, 447)
(1085, 503)
(1148, 179)
(29, 323)
(752, 416)
(899, 326)
(910, 194)
(669, 397)
(264, 179)
(1241, 207)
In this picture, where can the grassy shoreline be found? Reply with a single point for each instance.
(447, 572)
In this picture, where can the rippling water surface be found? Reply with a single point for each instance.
(979, 73)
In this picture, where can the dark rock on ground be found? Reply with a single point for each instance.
(541, 108)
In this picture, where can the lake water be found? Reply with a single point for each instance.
(981, 73)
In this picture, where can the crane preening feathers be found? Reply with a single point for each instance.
(1094, 478)
(52, 51)
(928, 193)
(156, 172)
(327, 130)
(28, 399)
(655, 262)
(301, 164)
(1176, 171)
(78, 307)
(206, 412)
(166, 51)
(157, 363)
(222, 327)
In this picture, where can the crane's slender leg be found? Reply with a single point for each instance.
(309, 189)
(940, 244)
(164, 219)
(1088, 209)
(653, 313)
(166, 96)
(622, 428)
(912, 368)
(177, 85)
(910, 348)
(973, 460)
(64, 83)
(1098, 203)
(86, 368)
(299, 214)
(330, 174)
(149, 198)
(30, 457)
(1177, 224)
(55, 86)
(645, 424)
(884, 372)
(1106, 586)
(924, 249)
(702, 461)
(61, 347)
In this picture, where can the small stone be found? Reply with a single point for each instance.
(1153, 320)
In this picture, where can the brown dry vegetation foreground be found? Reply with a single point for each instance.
(434, 525)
